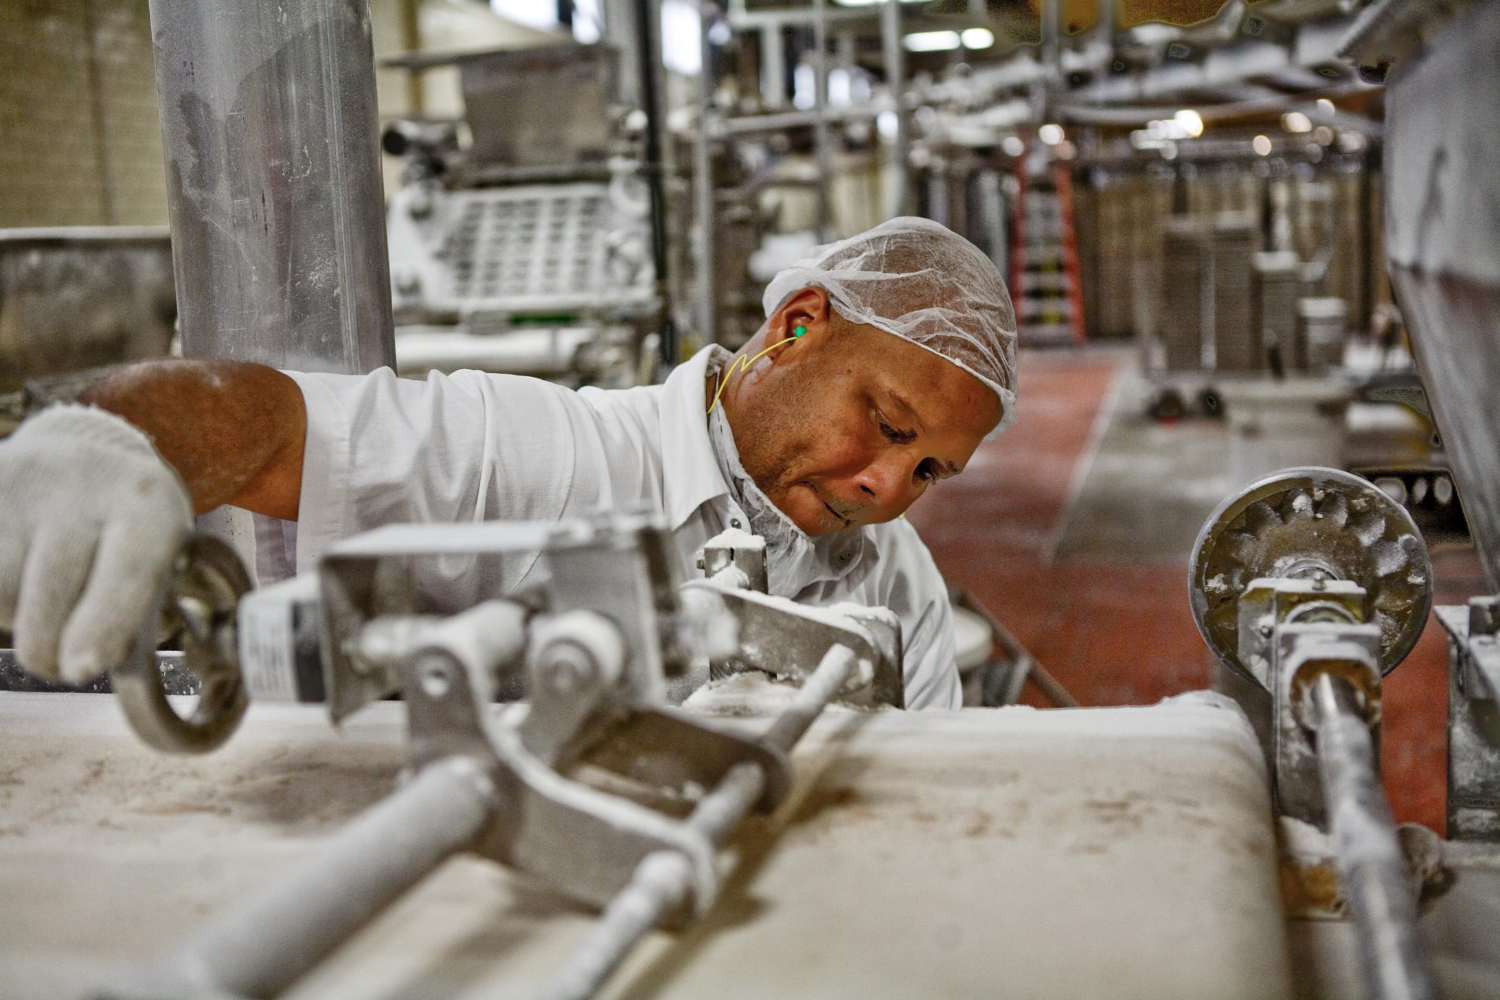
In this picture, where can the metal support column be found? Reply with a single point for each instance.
(273, 182)
(895, 69)
(703, 181)
(820, 108)
(773, 66)
(648, 48)
(272, 147)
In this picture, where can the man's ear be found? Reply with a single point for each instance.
(807, 311)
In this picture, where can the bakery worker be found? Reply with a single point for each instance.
(884, 361)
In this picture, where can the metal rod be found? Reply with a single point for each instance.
(778, 121)
(661, 881)
(895, 72)
(703, 181)
(773, 66)
(820, 107)
(1050, 685)
(1375, 872)
(261, 948)
(648, 43)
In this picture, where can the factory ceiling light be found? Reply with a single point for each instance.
(977, 38)
(931, 41)
(1050, 134)
(1191, 122)
(1262, 145)
(1296, 121)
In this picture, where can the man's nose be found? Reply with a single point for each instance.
(888, 483)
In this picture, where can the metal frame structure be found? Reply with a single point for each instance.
(594, 643)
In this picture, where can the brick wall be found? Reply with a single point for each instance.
(80, 141)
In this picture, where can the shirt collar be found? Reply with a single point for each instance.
(690, 473)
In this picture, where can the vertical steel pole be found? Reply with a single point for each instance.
(895, 70)
(773, 67)
(820, 109)
(703, 181)
(273, 181)
(648, 45)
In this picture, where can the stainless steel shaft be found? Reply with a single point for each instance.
(661, 881)
(1376, 876)
(259, 949)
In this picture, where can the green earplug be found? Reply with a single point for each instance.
(798, 331)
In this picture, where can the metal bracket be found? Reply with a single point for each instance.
(1305, 652)
(584, 842)
(1473, 719)
(782, 637)
(736, 550)
(1268, 602)
(616, 566)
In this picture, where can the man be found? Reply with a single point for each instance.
(884, 361)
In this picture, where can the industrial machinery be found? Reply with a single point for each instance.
(528, 251)
(77, 297)
(1314, 584)
(595, 647)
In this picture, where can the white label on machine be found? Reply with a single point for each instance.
(267, 637)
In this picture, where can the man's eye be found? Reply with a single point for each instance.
(927, 471)
(898, 436)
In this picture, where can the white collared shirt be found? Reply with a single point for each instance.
(472, 446)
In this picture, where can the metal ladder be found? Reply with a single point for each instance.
(1044, 278)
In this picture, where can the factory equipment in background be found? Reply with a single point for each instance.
(527, 250)
(79, 298)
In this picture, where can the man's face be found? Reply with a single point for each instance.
(848, 424)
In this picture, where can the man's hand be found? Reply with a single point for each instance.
(90, 519)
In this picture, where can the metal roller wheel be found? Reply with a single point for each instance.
(1311, 523)
(199, 604)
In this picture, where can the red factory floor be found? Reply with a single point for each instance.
(1117, 630)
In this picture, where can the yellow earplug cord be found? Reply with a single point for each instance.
(740, 364)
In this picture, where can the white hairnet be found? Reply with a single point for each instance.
(924, 283)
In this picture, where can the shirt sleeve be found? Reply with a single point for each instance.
(452, 448)
(908, 582)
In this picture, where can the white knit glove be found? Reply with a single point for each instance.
(90, 519)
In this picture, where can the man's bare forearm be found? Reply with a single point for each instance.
(234, 431)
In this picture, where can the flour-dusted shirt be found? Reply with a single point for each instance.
(473, 447)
